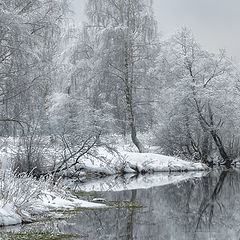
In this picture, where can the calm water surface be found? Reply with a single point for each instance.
(206, 207)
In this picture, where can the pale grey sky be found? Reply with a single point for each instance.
(215, 23)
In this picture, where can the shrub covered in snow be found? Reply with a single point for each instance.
(23, 197)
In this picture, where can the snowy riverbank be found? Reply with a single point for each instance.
(150, 162)
(123, 159)
(132, 162)
(25, 199)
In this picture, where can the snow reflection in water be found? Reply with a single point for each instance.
(130, 181)
(197, 208)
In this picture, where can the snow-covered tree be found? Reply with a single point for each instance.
(118, 59)
(28, 33)
(201, 97)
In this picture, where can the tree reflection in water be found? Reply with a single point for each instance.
(206, 208)
(208, 202)
(224, 193)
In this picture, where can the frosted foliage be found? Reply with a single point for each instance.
(28, 46)
(203, 94)
(117, 32)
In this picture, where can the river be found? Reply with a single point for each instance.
(185, 207)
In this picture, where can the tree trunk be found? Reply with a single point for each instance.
(131, 120)
(205, 147)
(221, 149)
(209, 127)
(128, 82)
(217, 140)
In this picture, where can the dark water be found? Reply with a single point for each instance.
(206, 208)
(198, 208)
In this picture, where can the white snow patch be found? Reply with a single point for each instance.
(23, 198)
(159, 163)
(109, 162)
(131, 162)
(51, 201)
(8, 215)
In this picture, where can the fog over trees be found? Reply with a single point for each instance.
(72, 89)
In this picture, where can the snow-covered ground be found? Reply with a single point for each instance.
(12, 215)
(124, 160)
(132, 162)
(24, 199)
(151, 162)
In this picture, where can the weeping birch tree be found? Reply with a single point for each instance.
(122, 47)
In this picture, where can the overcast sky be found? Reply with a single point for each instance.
(215, 23)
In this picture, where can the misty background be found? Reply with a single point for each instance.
(213, 22)
(110, 100)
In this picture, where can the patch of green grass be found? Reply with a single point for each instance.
(77, 210)
(84, 194)
(121, 204)
(53, 218)
(39, 235)
(111, 204)
(117, 204)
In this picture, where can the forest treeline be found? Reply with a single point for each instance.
(112, 75)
